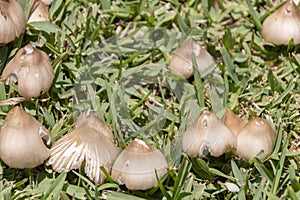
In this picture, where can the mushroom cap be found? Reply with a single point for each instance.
(207, 133)
(33, 71)
(181, 59)
(39, 12)
(283, 25)
(21, 145)
(84, 143)
(233, 122)
(257, 135)
(12, 21)
(136, 165)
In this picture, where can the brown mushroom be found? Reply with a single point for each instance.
(207, 133)
(39, 12)
(283, 25)
(256, 136)
(233, 122)
(87, 142)
(137, 164)
(181, 59)
(32, 70)
(21, 145)
(12, 20)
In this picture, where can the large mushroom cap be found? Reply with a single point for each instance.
(257, 135)
(12, 20)
(85, 143)
(21, 145)
(207, 133)
(33, 71)
(181, 59)
(283, 25)
(136, 165)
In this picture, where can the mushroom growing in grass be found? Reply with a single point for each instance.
(90, 141)
(233, 122)
(12, 20)
(283, 25)
(32, 70)
(138, 164)
(21, 144)
(181, 59)
(208, 133)
(39, 12)
(256, 136)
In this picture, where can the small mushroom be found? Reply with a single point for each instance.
(283, 25)
(257, 135)
(87, 142)
(137, 164)
(21, 144)
(181, 59)
(233, 122)
(39, 12)
(32, 70)
(12, 20)
(208, 133)
(47, 2)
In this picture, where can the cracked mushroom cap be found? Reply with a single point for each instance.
(32, 70)
(21, 144)
(233, 122)
(12, 20)
(181, 59)
(85, 143)
(256, 136)
(136, 165)
(283, 25)
(208, 133)
(39, 12)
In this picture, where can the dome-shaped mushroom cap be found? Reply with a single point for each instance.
(84, 143)
(39, 12)
(233, 122)
(21, 145)
(283, 25)
(136, 165)
(257, 135)
(181, 59)
(33, 71)
(12, 21)
(207, 133)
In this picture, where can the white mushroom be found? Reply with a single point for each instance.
(21, 145)
(136, 166)
(87, 142)
(39, 12)
(32, 70)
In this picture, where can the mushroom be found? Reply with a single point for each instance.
(181, 59)
(21, 144)
(208, 133)
(87, 142)
(233, 122)
(283, 25)
(138, 164)
(257, 135)
(32, 70)
(12, 20)
(39, 12)
(47, 2)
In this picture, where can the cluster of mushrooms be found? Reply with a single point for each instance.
(91, 143)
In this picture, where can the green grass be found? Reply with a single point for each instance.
(112, 56)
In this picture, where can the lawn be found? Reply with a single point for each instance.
(113, 56)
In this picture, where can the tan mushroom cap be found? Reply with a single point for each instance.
(257, 135)
(33, 71)
(181, 59)
(21, 145)
(208, 133)
(283, 25)
(85, 143)
(39, 12)
(136, 165)
(12, 21)
(233, 122)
